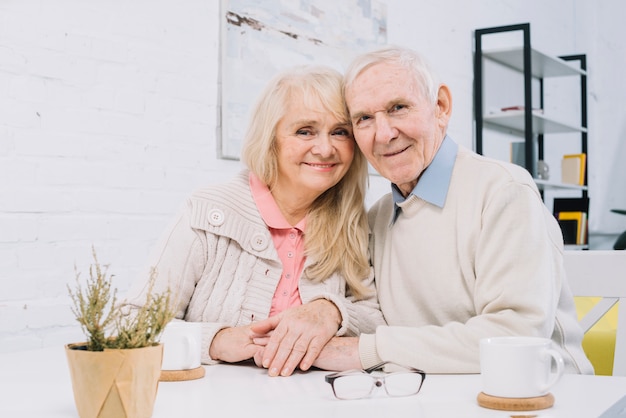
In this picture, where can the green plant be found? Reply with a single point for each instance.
(104, 325)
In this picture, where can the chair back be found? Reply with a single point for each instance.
(601, 274)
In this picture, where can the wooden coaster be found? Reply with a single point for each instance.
(515, 404)
(180, 375)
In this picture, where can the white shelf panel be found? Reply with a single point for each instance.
(542, 65)
(514, 119)
(546, 184)
(570, 247)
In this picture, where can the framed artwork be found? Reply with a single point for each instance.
(260, 38)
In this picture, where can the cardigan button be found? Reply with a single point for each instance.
(216, 217)
(259, 242)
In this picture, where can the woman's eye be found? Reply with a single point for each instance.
(304, 132)
(340, 132)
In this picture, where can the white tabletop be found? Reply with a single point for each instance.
(37, 384)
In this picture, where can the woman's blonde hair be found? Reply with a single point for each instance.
(337, 231)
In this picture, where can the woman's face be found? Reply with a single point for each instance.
(315, 150)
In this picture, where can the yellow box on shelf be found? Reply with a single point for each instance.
(573, 168)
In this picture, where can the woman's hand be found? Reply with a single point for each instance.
(295, 336)
(234, 344)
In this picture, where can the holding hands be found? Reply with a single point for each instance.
(295, 337)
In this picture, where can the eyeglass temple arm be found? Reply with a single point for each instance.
(380, 365)
(376, 367)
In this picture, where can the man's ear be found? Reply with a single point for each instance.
(444, 104)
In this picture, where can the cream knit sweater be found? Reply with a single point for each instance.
(219, 260)
(488, 263)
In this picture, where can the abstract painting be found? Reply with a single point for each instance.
(260, 38)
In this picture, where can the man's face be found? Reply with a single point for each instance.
(396, 127)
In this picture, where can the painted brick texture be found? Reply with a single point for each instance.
(108, 119)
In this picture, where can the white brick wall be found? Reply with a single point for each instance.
(107, 121)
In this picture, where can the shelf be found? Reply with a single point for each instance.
(512, 122)
(542, 65)
(514, 119)
(547, 184)
(570, 247)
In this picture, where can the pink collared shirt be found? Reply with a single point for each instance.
(289, 243)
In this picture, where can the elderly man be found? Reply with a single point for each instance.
(462, 248)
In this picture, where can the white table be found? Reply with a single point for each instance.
(37, 384)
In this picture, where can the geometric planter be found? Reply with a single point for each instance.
(114, 383)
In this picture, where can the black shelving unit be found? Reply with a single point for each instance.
(525, 123)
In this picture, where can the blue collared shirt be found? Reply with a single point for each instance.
(434, 182)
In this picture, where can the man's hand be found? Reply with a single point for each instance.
(339, 354)
(234, 344)
(295, 336)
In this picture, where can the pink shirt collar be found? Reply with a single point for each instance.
(268, 208)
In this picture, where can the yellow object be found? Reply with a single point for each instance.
(581, 224)
(599, 341)
(573, 169)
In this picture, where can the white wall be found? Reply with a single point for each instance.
(107, 121)
(108, 118)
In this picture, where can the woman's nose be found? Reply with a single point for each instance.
(324, 146)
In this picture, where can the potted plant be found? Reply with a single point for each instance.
(115, 373)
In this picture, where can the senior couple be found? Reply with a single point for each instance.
(284, 266)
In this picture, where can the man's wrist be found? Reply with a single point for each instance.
(366, 350)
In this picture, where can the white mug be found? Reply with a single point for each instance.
(519, 367)
(181, 345)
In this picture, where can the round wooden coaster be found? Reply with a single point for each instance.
(515, 404)
(179, 375)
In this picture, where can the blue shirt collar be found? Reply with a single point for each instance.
(434, 182)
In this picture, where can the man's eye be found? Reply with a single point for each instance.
(363, 121)
(398, 107)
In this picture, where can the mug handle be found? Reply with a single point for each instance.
(560, 365)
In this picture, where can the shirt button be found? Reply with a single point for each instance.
(216, 217)
(288, 275)
(290, 254)
(292, 235)
(285, 293)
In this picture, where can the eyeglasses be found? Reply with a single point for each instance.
(357, 384)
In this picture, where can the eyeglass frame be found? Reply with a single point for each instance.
(377, 380)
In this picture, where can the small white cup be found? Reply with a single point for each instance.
(181, 345)
(519, 367)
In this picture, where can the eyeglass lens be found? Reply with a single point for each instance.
(353, 386)
(403, 384)
(360, 385)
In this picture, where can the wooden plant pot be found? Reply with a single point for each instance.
(114, 383)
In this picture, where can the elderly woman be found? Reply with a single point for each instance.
(286, 238)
